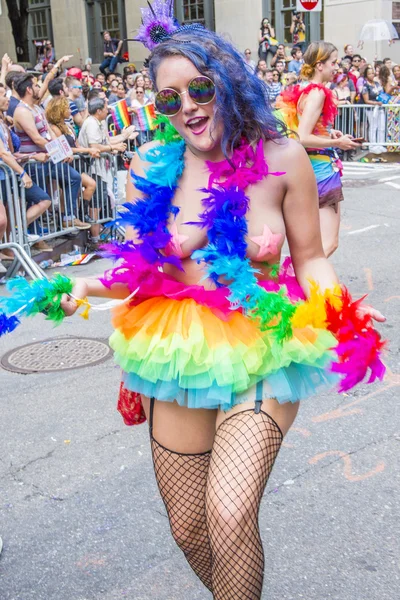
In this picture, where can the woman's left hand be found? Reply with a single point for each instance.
(94, 152)
(376, 315)
(336, 134)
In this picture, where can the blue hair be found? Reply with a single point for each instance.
(241, 103)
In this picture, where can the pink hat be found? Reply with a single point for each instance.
(74, 72)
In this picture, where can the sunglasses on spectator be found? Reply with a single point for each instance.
(248, 53)
(201, 89)
(356, 60)
(76, 87)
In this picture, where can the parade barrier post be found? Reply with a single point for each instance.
(15, 238)
(377, 125)
(101, 207)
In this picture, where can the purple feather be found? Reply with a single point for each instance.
(8, 324)
(158, 23)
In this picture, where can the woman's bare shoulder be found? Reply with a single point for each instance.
(284, 154)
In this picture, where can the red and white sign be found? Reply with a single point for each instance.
(309, 5)
(59, 149)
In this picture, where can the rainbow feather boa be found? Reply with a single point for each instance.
(224, 217)
(31, 298)
(279, 308)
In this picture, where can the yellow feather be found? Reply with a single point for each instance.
(83, 302)
(312, 311)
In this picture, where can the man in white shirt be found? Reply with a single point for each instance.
(94, 134)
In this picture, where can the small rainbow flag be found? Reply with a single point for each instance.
(120, 114)
(146, 117)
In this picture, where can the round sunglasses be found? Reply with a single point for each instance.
(201, 89)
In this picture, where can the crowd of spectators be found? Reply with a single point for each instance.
(52, 101)
(357, 81)
(38, 107)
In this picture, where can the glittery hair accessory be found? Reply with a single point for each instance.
(159, 24)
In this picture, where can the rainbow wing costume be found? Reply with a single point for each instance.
(323, 162)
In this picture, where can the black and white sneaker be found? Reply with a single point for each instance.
(88, 219)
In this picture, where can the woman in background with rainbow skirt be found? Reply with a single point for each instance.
(221, 343)
(310, 110)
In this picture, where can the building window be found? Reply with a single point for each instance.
(110, 18)
(396, 16)
(39, 25)
(288, 6)
(104, 15)
(273, 16)
(195, 11)
(40, 19)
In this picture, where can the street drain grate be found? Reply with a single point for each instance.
(56, 354)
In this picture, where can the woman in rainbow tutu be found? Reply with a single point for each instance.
(310, 110)
(221, 343)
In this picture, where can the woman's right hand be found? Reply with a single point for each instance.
(346, 143)
(40, 156)
(27, 181)
(94, 152)
(120, 147)
(69, 304)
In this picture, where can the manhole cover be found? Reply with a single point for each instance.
(56, 354)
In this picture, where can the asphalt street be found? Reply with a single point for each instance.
(80, 514)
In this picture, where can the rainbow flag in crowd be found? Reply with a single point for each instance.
(146, 117)
(120, 114)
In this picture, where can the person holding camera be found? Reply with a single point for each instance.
(298, 31)
(279, 56)
(266, 40)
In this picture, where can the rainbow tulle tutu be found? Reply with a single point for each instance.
(186, 351)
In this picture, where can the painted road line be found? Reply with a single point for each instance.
(389, 178)
(362, 230)
(358, 172)
(395, 185)
(359, 165)
(372, 169)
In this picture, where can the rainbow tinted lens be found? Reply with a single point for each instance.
(168, 102)
(201, 90)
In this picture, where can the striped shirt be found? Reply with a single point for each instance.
(27, 145)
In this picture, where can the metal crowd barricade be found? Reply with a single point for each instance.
(100, 206)
(15, 237)
(378, 125)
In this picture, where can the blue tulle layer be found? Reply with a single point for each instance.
(290, 384)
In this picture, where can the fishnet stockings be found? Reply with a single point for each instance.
(182, 482)
(244, 451)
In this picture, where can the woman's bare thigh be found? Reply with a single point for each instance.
(283, 414)
(181, 429)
